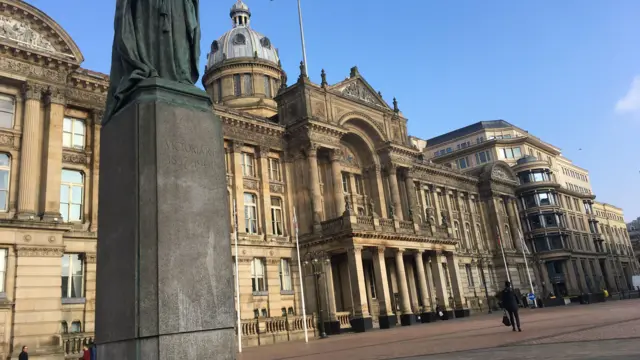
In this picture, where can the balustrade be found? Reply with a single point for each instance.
(264, 331)
(73, 344)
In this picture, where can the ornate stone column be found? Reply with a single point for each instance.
(407, 317)
(55, 103)
(95, 167)
(30, 149)
(336, 173)
(314, 185)
(456, 284)
(362, 319)
(411, 195)
(392, 176)
(422, 281)
(382, 202)
(439, 280)
(238, 184)
(333, 327)
(387, 318)
(514, 224)
(263, 158)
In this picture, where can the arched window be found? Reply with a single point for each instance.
(5, 172)
(64, 327)
(76, 327)
(456, 230)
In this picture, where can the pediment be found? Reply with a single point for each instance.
(358, 89)
(23, 26)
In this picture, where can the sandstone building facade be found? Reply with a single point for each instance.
(388, 232)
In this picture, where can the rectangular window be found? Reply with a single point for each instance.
(267, 87)
(276, 216)
(463, 163)
(483, 157)
(449, 150)
(274, 169)
(577, 204)
(345, 183)
(5, 171)
(3, 269)
(247, 84)
(463, 203)
(71, 195)
(237, 85)
(359, 188)
(247, 165)
(72, 276)
(285, 275)
(443, 207)
(7, 109)
(544, 199)
(427, 198)
(568, 202)
(469, 275)
(258, 283)
(250, 213)
(454, 203)
(73, 133)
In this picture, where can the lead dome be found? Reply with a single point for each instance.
(241, 41)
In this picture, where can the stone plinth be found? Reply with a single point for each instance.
(164, 277)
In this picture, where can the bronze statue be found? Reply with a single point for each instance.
(153, 39)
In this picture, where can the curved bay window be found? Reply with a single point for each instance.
(544, 220)
(537, 175)
(548, 242)
(541, 198)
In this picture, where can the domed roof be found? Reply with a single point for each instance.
(242, 41)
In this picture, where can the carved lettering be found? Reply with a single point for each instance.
(189, 156)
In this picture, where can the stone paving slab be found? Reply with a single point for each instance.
(479, 335)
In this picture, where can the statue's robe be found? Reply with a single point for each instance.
(153, 38)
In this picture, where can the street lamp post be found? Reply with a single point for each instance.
(314, 260)
(484, 284)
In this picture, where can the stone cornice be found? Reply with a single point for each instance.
(435, 169)
(250, 129)
(381, 236)
(40, 251)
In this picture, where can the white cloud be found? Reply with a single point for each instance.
(630, 103)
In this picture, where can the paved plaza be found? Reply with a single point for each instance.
(600, 331)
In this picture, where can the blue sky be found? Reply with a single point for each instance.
(563, 70)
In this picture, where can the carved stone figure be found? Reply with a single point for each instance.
(445, 221)
(392, 211)
(153, 39)
(15, 30)
(347, 203)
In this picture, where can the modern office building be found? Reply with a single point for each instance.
(577, 243)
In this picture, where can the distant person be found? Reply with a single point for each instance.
(94, 350)
(24, 354)
(510, 303)
(86, 354)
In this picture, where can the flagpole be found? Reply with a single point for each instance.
(304, 47)
(504, 259)
(304, 310)
(525, 250)
(235, 214)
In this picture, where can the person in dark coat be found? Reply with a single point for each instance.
(24, 355)
(510, 303)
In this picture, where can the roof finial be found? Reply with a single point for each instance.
(395, 106)
(240, 14)
(303, 70)
(323, 75)
(354, 72)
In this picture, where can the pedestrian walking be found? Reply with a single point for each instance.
(86, 353)
(24, 354)
(510, 304)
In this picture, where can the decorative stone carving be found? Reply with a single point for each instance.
(318, 110)
(237, 146)
(349, 158)
(500, 173)
(312, 149)
(55, 95)
(98, 114)
(89, 97)
(358, 91)
(75, 158)
(27, 238)
(263, 152)
(33, 91)
(24, 35)
(7, 139)
(52, 239)
(29, 70)
(250, 184)
(336, 155)
(38, 251)
(276, 188)
(90, 258)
